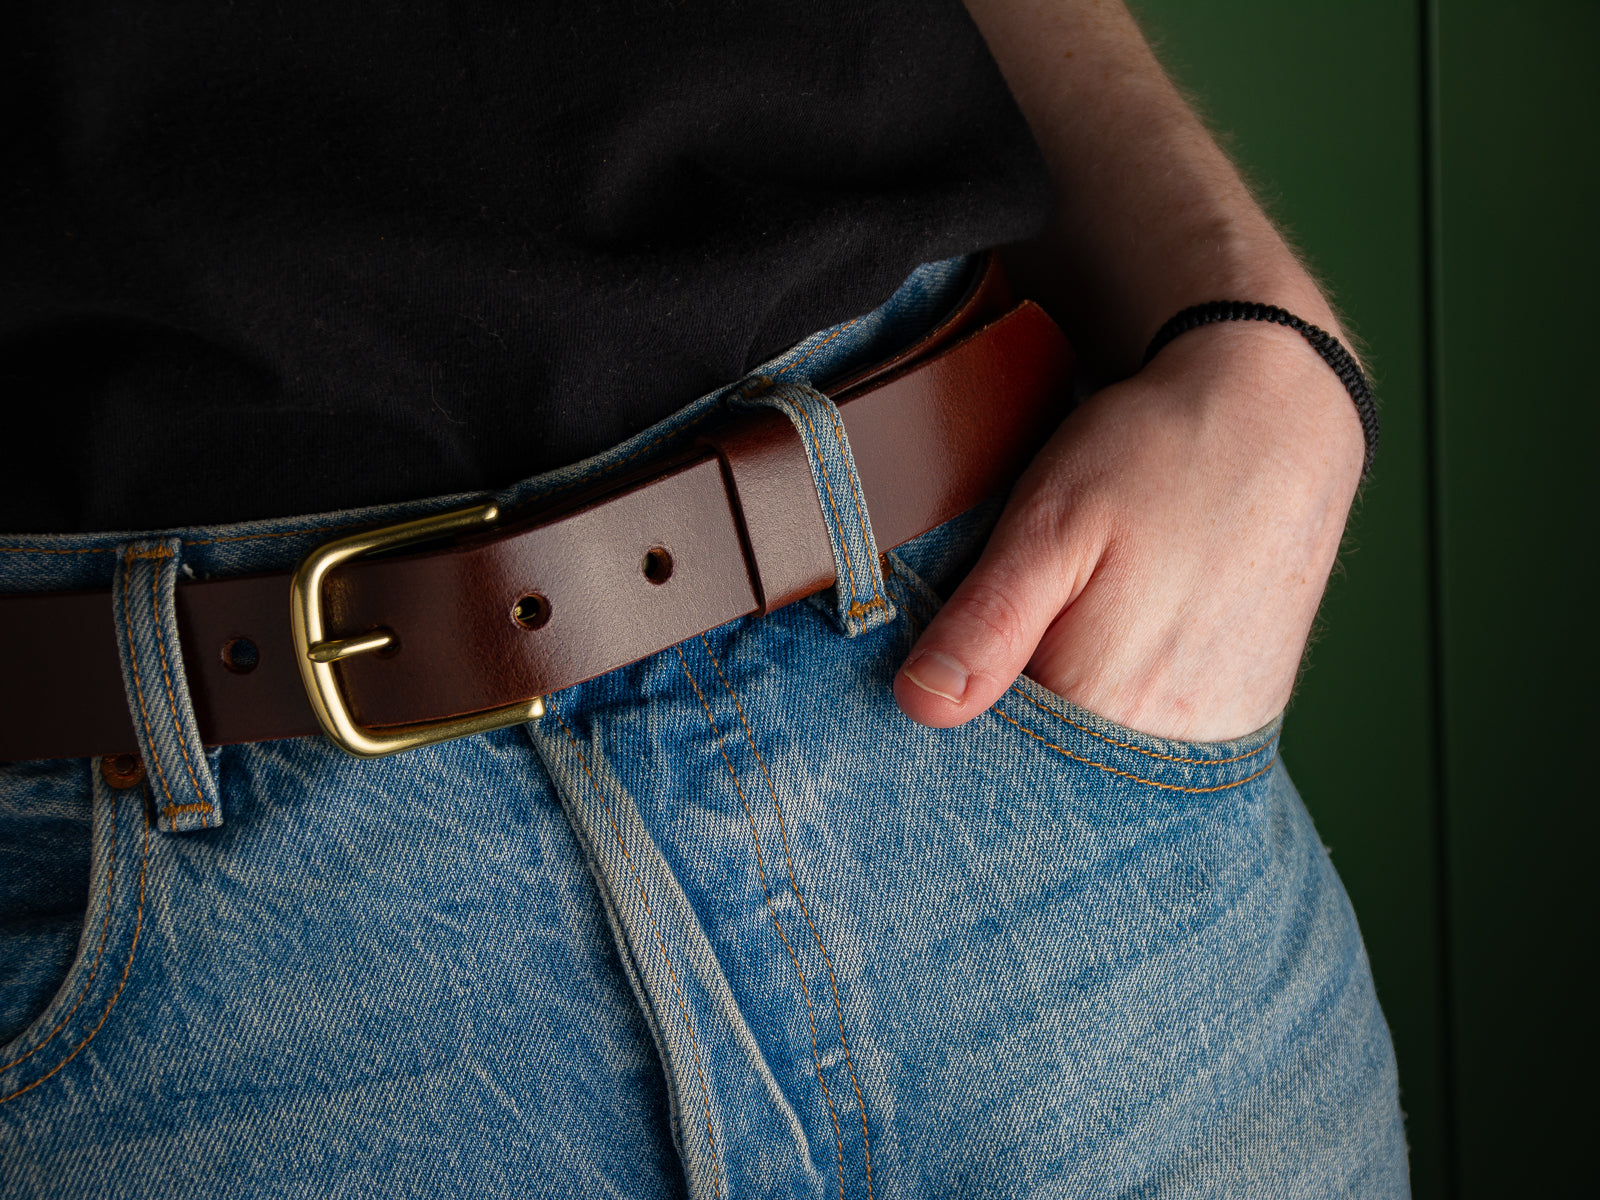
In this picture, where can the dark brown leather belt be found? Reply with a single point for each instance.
(731, 527)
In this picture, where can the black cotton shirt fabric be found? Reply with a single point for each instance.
(260, 259)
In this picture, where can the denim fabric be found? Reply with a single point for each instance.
(184, 790)
(722, 923)
(860, 600)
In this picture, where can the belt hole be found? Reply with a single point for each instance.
(657, 565)
(240, 655)
(532, 611)
(122, 770)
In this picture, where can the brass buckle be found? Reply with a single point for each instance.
(316, 654)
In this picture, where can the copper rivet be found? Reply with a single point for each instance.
(122, 770)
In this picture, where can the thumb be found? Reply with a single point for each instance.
(983, 637)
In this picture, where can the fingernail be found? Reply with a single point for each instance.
(939, 674)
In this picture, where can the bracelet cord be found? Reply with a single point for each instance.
(1330, 349)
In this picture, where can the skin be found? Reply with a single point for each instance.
(1162, 559)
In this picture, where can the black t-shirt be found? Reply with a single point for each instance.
(259, 259)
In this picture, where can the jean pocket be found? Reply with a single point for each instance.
(71, 902)
(1055, 723)
(1051, 725)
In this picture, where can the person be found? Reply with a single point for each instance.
(993, 886)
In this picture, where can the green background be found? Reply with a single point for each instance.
(1436, 162)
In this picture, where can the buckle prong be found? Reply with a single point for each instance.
(316, 653)
(327, 652)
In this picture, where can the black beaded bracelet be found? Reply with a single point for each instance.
(1324, 343)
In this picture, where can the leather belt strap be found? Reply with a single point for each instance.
(948, 423)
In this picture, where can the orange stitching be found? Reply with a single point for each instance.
(857, 607)
(172, 701)
(761, 868)
(823, 467)
(1170, 787)
(244, 537)
(805, 909)
(138, 926)
(41, 550)
(138, 687)
(255, 537)
(105, 925)
(1125, 745)
(820, 345)
(177, 810)
(158, 552)
(855, 487)
(660, 945)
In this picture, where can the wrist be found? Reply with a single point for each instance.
(1114, 309)
(1274, 395)
(1234, 254)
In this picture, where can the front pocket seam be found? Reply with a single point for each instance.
(100, 949)
(1199, 762)
(127, 967)
(1169, 787)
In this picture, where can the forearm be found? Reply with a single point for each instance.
(1150, 216)
(1161, 560)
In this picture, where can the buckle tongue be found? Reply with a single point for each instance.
(316, 653)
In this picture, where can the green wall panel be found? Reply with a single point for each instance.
(1517, 257)
(1321, 103)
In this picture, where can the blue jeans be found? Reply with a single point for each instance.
(721, 923)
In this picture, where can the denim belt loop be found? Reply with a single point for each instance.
(180, 776)
(861, 602)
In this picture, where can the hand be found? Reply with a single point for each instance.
(1162, 559)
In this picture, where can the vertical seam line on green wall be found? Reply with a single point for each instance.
(1432, 291)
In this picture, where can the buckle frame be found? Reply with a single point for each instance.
(316, 654)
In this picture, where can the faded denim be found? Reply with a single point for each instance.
(723, 923)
